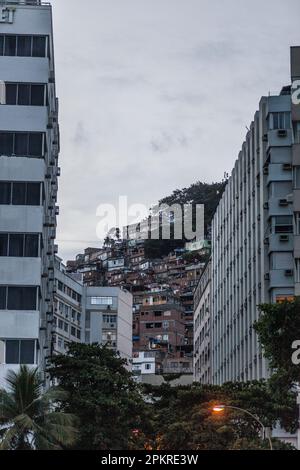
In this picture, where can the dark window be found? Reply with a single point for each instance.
(31, 246)
(73, 331)
(10, 45)
(27, 352)
(12, 350)
(21, 144)
(24, 95)
(11, 94)
(78, 334)
(39, 46)
(36, 144)
(19, 351)
(2, 298)
(16, 245)
(21, 298)
(19, 194)
(5, 193)
(6, 143)
(24, 46)
(3, 244)
(37, 95)
(1, 45)
(33, 194)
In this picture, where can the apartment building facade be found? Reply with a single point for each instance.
(85, 314)
(29, 148)
(202, 328)
(255, 235)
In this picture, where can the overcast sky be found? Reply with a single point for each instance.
(156, 94)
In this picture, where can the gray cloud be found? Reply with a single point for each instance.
(155, 95)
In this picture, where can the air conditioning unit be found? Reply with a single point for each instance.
(51, 266)
(266, 205)
(267, 277)
(284, 238)
(289, 273)
(283, 202)
(49, 221)
(282, 133)
(265, 138)
(287, 167)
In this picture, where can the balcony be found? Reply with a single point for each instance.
(280, 278)
(280, 138)
(281, 242)
(277, 172)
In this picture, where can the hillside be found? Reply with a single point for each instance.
(198, 193)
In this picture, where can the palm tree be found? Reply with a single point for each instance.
(28, 417)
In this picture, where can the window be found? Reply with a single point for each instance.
(31, 246)
(283, 224)
(23, 194)
(280, 120)
(5, 193)
(10, 45)
(78, 334)
(147, 366)
(73, 331)
(19, 351)
(2, 298)
(19, 194)
(24, 94)
(22, 144)
(101, 300)
(297, 177)
(23, 46)
(39, 46)
(16, 245)
(18, 298)
(110, 318)
(3, 244)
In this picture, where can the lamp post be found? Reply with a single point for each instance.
(220, 408)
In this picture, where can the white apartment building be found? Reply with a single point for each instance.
(256, 234)
(29, 148)
(202, 328)
(90, 315)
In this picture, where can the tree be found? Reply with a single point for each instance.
(28, 418)
(278, 328)
(103, 394)
(183, 418)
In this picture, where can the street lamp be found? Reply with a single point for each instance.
(220, 408)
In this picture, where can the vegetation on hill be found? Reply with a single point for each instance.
(208, 194)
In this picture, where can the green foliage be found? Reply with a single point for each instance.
(197, 193)
(183, 418)
(28, 418)
(102, 393)
(277, 328)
